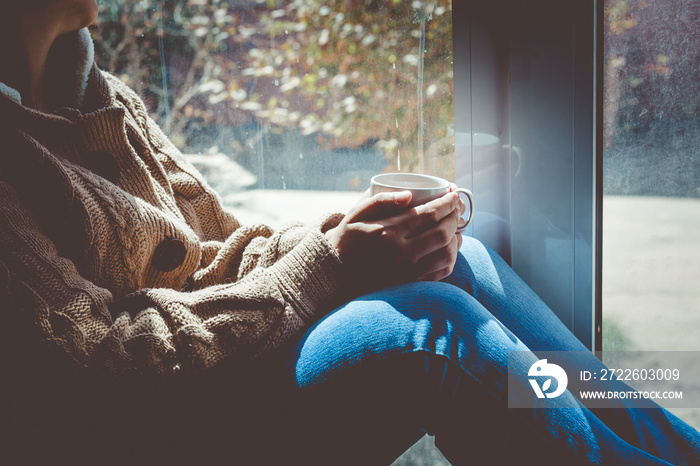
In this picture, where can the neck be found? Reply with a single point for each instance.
(37, 44)
(26, 38)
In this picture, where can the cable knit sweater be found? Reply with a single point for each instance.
(114, 252)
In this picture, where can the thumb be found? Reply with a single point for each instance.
(381, 205)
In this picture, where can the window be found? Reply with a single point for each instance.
(291, 95)
(651, 230)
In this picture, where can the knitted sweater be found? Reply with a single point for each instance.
(114, 251)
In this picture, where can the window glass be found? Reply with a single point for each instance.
(651, 227)
(291, 94)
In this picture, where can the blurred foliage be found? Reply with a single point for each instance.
(650, 76)
(619, 15)
(348, 72)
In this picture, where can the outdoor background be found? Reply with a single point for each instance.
(302, 94)
(290, 106)
(651, 179)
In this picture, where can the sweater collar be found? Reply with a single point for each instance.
(67, 71)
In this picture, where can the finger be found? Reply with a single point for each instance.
(426, 216)
(434, 239)
(380, 205)
(440, 263)
(462, 205)
(436, 276)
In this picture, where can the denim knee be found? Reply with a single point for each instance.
(435, 317)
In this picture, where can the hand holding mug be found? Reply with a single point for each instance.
(423, 188)
(396, 236)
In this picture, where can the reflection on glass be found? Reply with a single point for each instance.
(523, 142)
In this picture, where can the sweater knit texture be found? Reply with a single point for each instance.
(115, 254)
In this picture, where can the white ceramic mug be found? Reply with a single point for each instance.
(424, 188)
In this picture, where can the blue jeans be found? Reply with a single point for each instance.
(373, 376)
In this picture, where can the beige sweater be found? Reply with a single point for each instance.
(116, 254)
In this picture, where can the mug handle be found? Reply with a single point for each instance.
(464, 223)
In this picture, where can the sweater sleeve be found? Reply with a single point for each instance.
(159, 331)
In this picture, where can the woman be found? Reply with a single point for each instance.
(135, 304)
